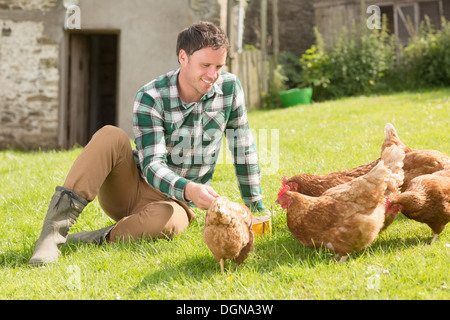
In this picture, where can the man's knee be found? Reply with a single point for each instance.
(112, 133)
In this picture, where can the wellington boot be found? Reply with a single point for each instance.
(95, 237)
(64, 209)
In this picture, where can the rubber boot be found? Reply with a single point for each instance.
(95, 237)
(64, 209)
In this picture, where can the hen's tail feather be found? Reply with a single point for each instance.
(393, 157)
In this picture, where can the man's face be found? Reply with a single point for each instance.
(200, 70)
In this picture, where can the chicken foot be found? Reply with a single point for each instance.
(340, 258)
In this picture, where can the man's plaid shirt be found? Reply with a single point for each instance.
(177, 143)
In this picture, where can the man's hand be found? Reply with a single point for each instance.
(202, 195)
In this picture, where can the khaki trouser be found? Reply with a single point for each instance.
(106, 168)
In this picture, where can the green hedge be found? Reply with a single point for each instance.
(426, 60)
(370, 61)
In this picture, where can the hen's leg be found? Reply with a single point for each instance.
(435, 236)
(339, 258)
(221, 265)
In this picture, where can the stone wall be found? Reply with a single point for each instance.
(29, 80)
(42, 5)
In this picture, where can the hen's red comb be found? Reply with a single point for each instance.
(284, 180)
(283, 189)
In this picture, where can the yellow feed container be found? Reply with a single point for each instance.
(262, 225)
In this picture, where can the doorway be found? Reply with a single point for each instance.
(91, 87)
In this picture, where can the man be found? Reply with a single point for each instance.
(179, 121)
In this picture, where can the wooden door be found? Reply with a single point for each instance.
(78, 91)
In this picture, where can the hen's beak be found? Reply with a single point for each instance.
(277, 201)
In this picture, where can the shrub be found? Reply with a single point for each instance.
(426, 59)
(315, 64)
(359, 63)
(354, 65)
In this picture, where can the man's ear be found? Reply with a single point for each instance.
(182, 56)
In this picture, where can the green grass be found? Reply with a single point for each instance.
(317, 139)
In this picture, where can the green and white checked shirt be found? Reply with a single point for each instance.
(177, 142)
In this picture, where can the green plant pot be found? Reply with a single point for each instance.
(296, 96)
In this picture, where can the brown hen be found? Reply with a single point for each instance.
(315, 185)
(427, 200)
(347, 217)
(416, 163)
(228, 231)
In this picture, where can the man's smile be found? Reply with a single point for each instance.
(207, 82)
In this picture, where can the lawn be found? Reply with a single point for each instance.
(317, 139)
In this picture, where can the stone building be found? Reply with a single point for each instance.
(69, 67)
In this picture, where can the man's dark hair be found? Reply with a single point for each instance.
(201, 35)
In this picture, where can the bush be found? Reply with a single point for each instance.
(315, 63)
(354, 65)
(359, 63)
(426, 59)
(365, 62)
